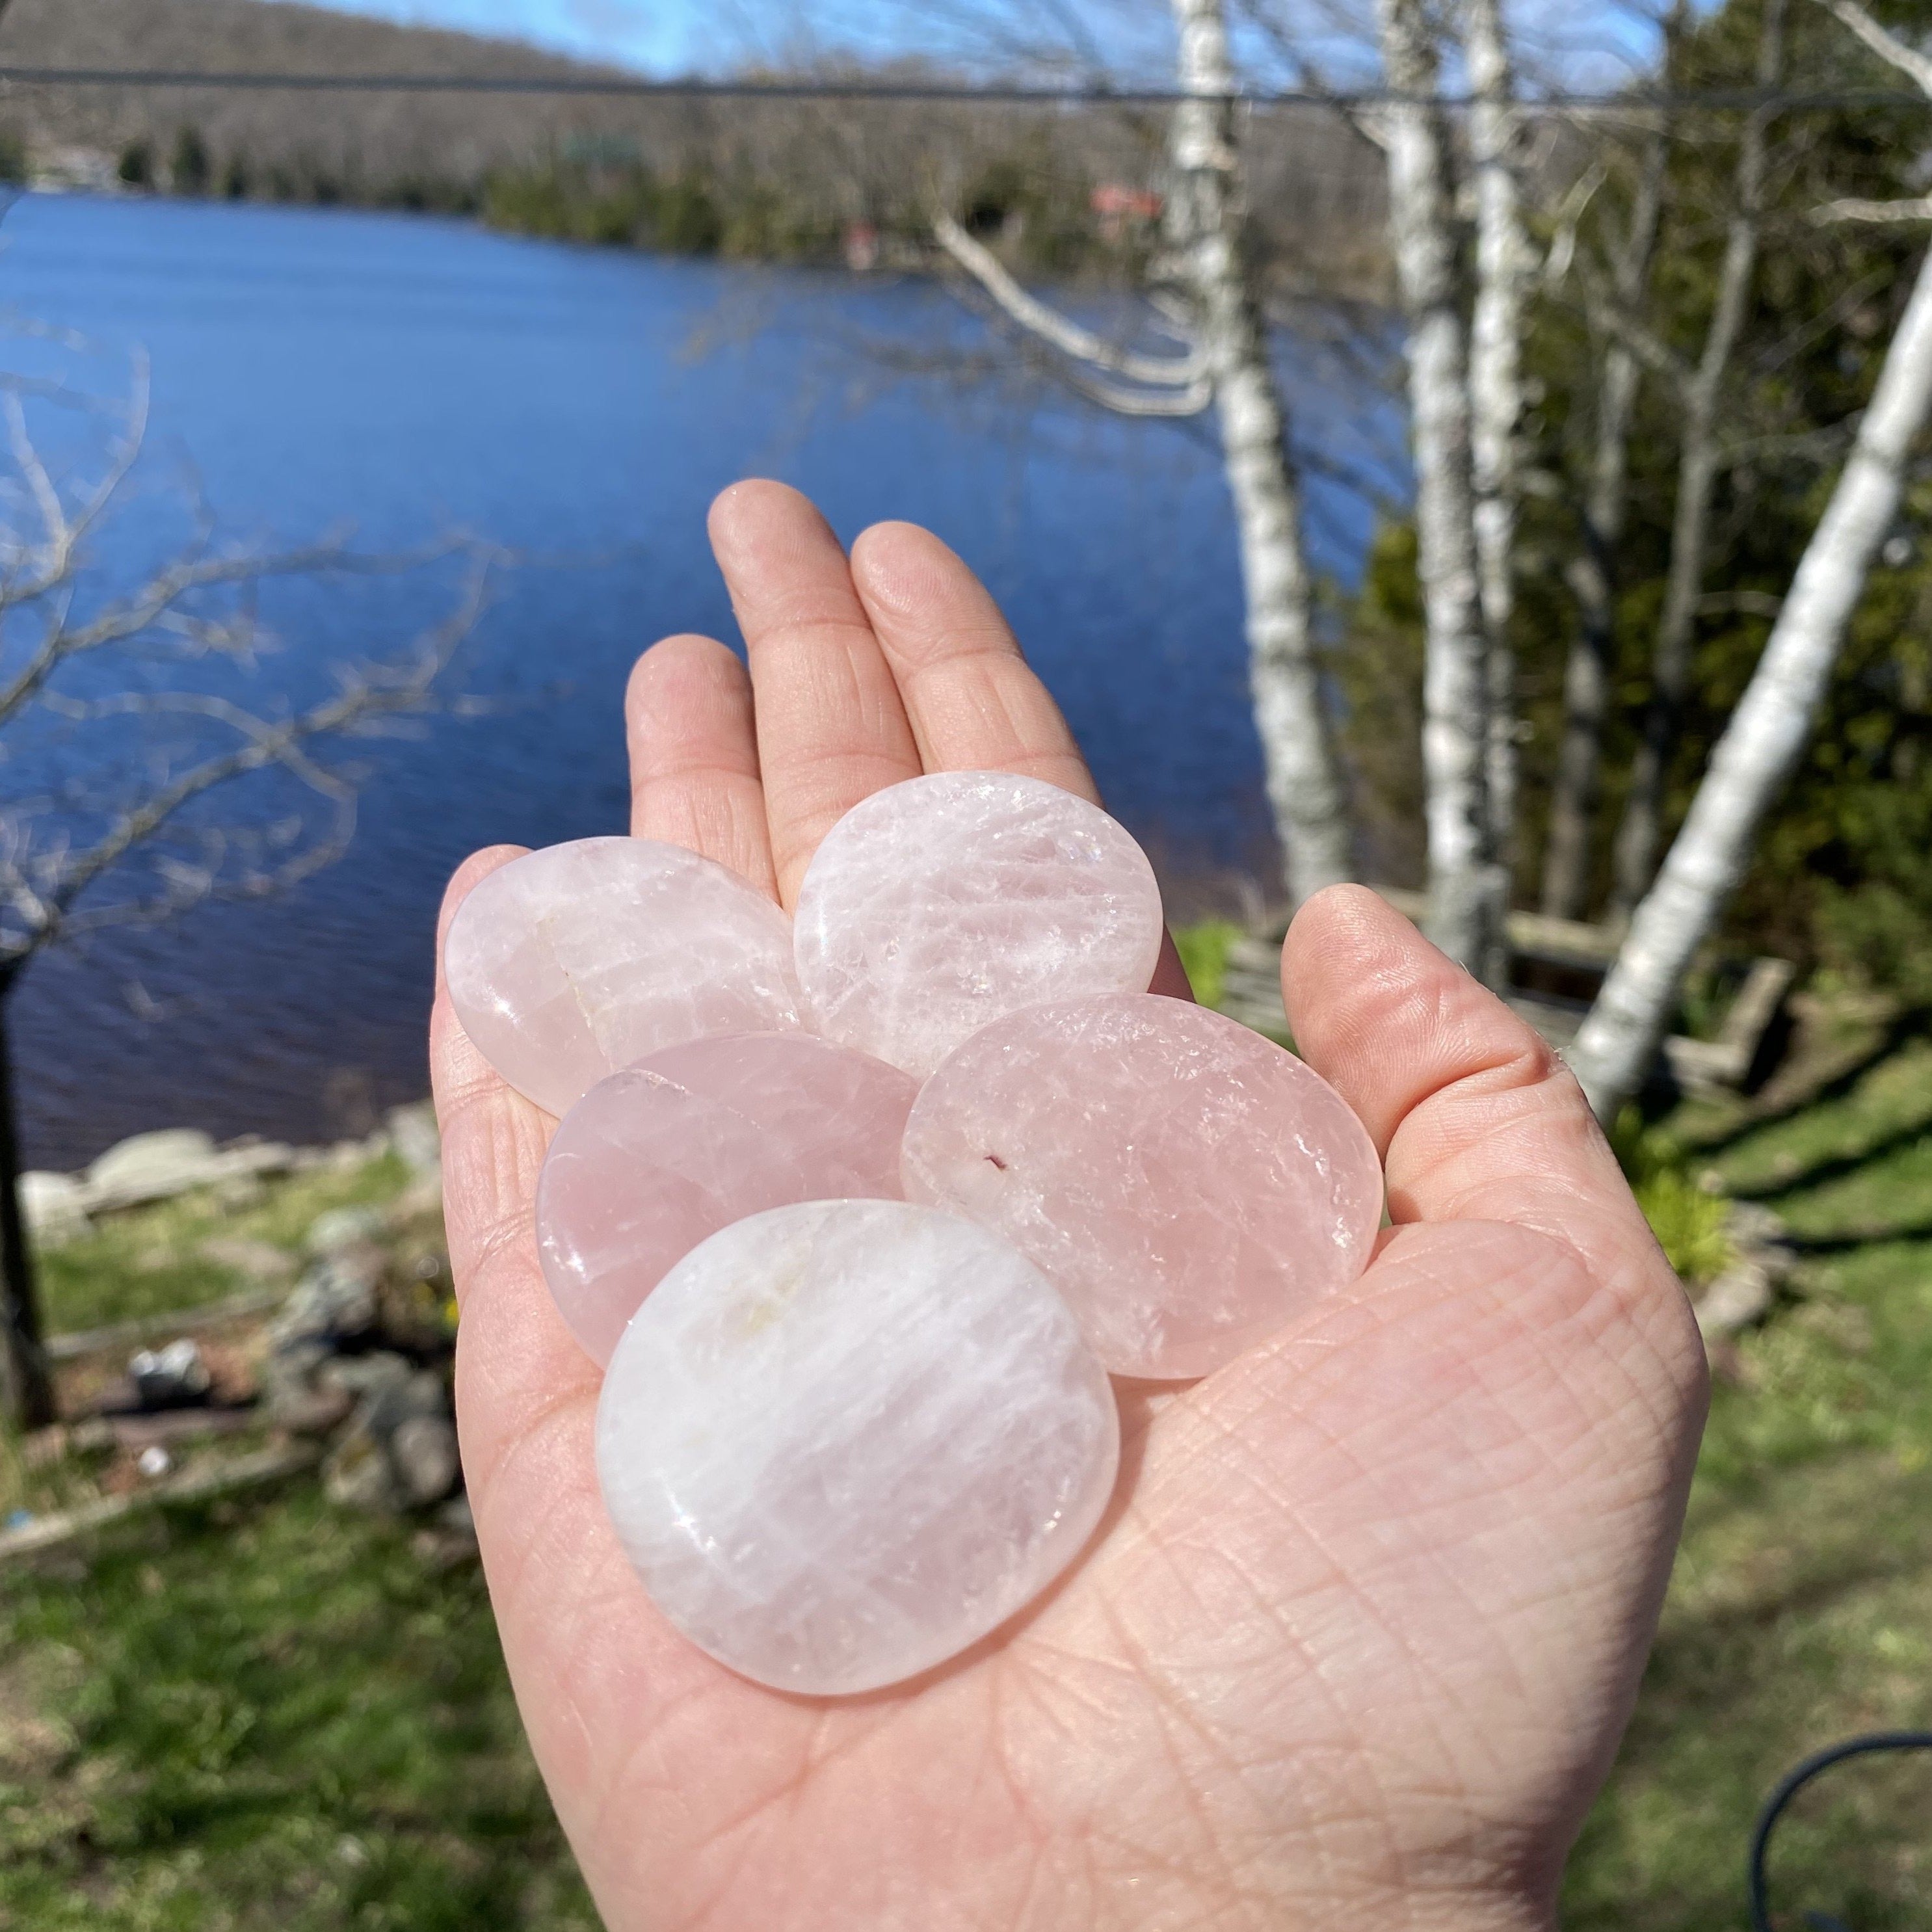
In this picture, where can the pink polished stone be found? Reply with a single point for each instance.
(572, 962)
(934, 906)
(1185, 1184)
(847, 1439)
(654, 1159)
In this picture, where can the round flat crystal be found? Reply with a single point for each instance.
(572, 962)
(655, 1159)
(1185, 1183)
(842, 1441)
(937, 905)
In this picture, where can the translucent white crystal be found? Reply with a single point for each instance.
(936, 905)
(572, 962)
(1185, 1183)
(842, 1441)
(651, 1160)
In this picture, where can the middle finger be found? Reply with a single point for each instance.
(831, 728)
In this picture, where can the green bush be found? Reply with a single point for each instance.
(1204, 948)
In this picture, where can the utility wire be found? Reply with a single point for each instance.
(642, 87)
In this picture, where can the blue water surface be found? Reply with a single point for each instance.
(410, 376)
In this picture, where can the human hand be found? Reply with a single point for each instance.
(1356, 1641)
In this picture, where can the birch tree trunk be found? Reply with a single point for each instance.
(1592, 573)
(1207, 219)
(1767, 731)
(1466, 889)
(1641, 831)
(1503, 264)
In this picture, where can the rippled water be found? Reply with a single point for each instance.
(410, 375)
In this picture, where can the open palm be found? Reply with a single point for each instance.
(1357, 1639)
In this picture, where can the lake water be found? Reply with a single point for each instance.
(407, 375)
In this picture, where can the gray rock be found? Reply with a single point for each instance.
(341, 1228)
(254, 1260)
(335, 1301)
(399, 1452)
(237, 1192)
(413, 1135)
(378, 1373)
(54, 1206)
(423, 1451)
(151, 1167)
(1750, 1224)
(1742, 1294)
(356, 1474)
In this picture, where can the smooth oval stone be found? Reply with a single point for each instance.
(1185, 1183)
(573, 961)
(656, 1158)
(843, 1441)
(937, 905)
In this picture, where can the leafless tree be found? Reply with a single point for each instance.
(1767, 731)
(1592, 570)
(1209, 306)
(1700, 389)
(172, 779)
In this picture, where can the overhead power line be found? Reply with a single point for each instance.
(641, 87)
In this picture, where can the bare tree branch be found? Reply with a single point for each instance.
(1852, 209)
(1186, 373)
(1884, 43)
(44, 887)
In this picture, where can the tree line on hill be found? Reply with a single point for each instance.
(780, 179)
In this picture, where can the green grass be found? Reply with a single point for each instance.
(1800, 1611)
(150, 1261)
(1890, 1104)
(283, 1719)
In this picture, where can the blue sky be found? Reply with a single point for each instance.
(1596, 42)
(664, 36)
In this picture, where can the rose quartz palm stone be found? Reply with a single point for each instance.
(572, 962)
(1185, 1184)
(842, 1441)
(655, 1159)
(937, 905)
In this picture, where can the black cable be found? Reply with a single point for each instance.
(1794, 1781)
(1623, 100)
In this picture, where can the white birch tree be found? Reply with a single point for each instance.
(1505, 261)
(1762, 743)
(1467, 887)
(1224, 365)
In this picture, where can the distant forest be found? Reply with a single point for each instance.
(776, 180)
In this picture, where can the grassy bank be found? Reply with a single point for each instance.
(271, 1714)
(1800, 1609)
